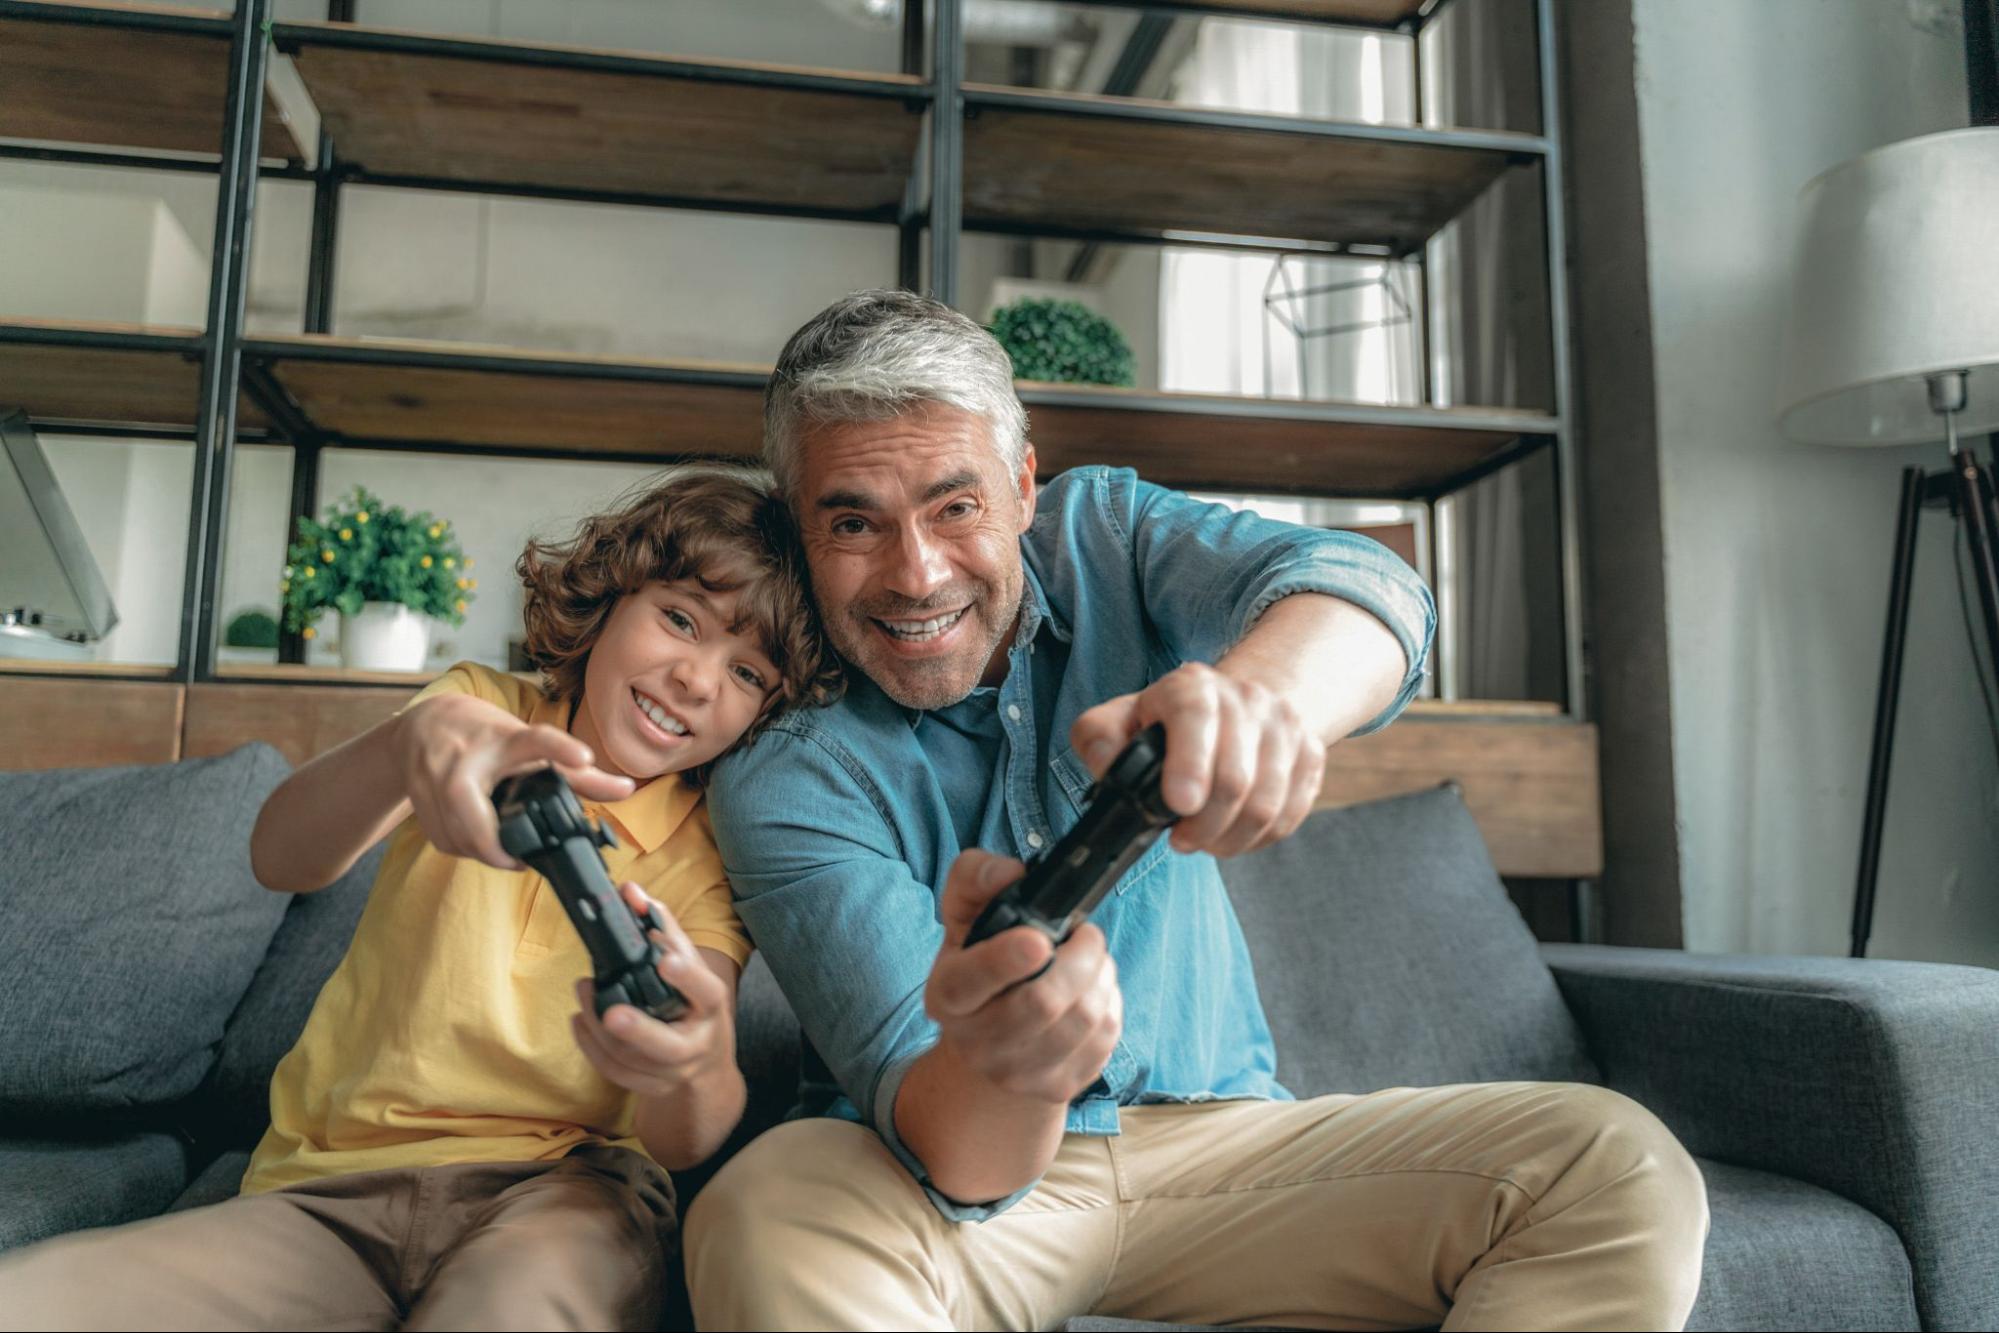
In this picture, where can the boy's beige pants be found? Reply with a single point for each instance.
(577, 1243)
(1487, 1206)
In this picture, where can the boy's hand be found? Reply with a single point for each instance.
(643, 1055)
(454, 749)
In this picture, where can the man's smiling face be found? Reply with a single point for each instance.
(912, 531)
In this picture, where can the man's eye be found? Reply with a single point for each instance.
(849, 527)
(958, 508)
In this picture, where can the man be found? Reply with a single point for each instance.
(1002, 1146)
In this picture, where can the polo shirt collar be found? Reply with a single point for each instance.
(646, 818)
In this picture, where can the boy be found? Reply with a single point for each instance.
(453, 1143)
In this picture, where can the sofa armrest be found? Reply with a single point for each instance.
(1877, 1080)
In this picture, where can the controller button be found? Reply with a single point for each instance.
(587, 908)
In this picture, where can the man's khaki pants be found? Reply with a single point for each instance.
(578, 1243)
(1488, 1206)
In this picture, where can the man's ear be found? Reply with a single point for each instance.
(1025, 481)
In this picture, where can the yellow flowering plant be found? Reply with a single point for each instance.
(367, 551)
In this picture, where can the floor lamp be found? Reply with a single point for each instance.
(1894, 339)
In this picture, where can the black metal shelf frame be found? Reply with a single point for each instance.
(231, 361)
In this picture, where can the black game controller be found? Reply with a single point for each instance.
(543, 824)
(1125, 814)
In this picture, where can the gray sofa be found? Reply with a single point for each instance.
(1844, 1113)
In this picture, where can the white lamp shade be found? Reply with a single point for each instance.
(1897, 279)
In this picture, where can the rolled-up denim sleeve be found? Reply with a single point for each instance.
(847, 930)
(1207, 572)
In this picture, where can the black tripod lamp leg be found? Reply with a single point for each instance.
(1971, 487)
(1885, 700)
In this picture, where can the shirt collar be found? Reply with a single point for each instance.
(646, 818)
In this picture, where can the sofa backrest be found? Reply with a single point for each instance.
(1389, 955)
(130, 927)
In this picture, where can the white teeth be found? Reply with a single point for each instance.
(659, 715)
(916, 631)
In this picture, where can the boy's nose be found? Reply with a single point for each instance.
(695, 677)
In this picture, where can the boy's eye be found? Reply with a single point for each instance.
(680, 620)
(751, 677)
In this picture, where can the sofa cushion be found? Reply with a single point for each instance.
(1389, 955)
(233, 1103)
(1782, 1254)
(130, 926)
(49, 1186)
(218, 1182)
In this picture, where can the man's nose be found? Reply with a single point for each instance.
(918, 566)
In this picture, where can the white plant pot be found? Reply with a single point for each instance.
(386, 636)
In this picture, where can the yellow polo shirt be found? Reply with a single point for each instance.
(443, 1036)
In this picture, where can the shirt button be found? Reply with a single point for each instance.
(1013, 713)
(1034, 840)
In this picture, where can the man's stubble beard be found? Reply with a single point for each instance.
(937, 683)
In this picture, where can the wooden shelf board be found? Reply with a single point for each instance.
(483, 112)
(1375, 13)
(109, 86)
(1197, 441)
(503, 398)
(407, 394)
(157, 384)
(299, 673)
(1080, 161)
(42, 666)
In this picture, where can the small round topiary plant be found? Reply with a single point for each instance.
(1062, 342)
(251, 629)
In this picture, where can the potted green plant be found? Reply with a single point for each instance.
(1062, 342)
(388, 573)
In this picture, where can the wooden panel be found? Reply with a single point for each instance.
(413, 112)
(89, 83)
(52, 723)
(1244, 444)
(158, 386)
(1532, 786)
(1039, 160)
(300, 720)
(527, 407)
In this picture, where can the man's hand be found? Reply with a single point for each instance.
(1242, 769)
(1044, 1039)
(643, 1055)
(453, 750)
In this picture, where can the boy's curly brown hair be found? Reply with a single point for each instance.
(720, 524)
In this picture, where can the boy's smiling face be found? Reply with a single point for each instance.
(669, 685)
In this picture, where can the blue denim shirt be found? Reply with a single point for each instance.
(838, 825)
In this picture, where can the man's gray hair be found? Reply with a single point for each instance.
(877, 354)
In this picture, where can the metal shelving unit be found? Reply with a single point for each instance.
(926, 153)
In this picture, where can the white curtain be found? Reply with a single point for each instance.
(1215, 334)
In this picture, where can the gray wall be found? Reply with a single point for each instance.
(1775, 554)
